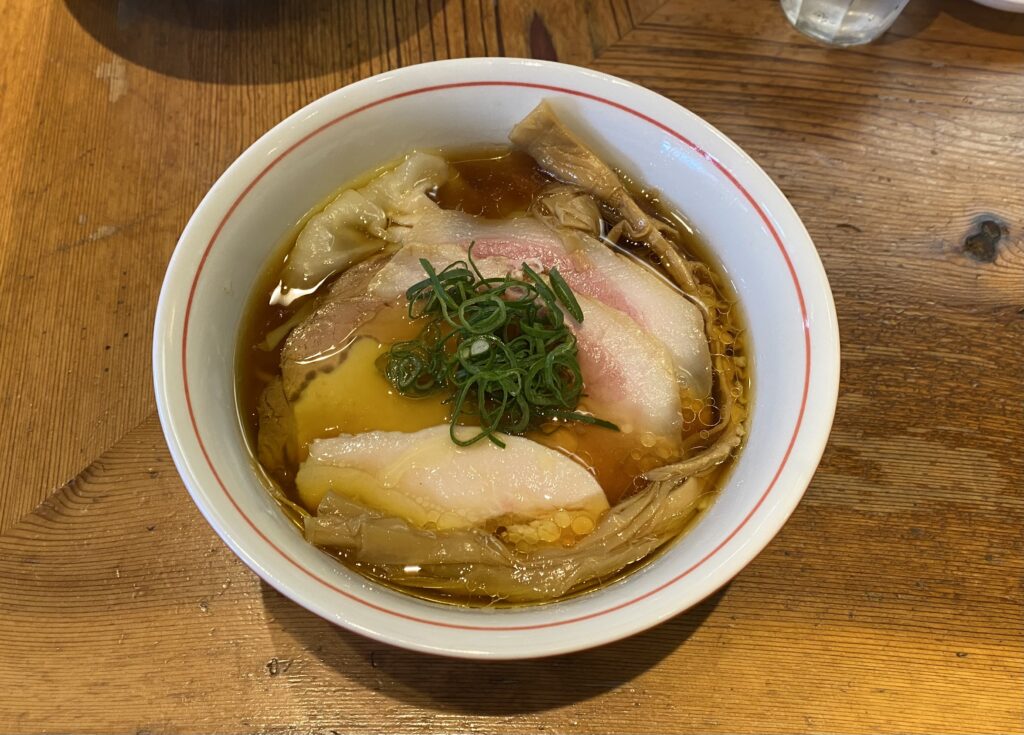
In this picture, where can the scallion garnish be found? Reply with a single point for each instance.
(500, 346)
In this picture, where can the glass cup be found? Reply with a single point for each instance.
(842, 22)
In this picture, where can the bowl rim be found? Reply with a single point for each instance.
(826, 392)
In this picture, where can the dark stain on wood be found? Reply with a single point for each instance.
(982, 244)
(541, 44)
(497, 28)
(277, 666)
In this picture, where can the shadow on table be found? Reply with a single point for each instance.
(919, 15)
(913, 20)
(479, 687)
(241, 41)
(989, 19)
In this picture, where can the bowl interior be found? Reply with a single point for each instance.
(757, 239)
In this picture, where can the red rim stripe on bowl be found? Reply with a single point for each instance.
(562, 90)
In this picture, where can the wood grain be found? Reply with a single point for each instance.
(893, 600)
(117, 595)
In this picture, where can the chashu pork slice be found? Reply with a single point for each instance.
(433, 483)
(591, 268)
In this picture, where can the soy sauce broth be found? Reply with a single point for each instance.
(490, 182)
(495, 183)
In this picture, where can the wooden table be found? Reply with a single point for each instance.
(891, 602)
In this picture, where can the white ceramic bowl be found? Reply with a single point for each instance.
(759, 241)
(1013, 6)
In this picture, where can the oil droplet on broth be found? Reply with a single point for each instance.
(613, 458)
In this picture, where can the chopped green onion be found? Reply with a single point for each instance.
(565, 294)
(499, 347)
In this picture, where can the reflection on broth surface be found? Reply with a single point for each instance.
(510, 377)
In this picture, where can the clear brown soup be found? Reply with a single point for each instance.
(494, 183)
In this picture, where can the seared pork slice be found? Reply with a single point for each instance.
(433, 483)
(628, 374)
(591, 268)
(317, 344)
